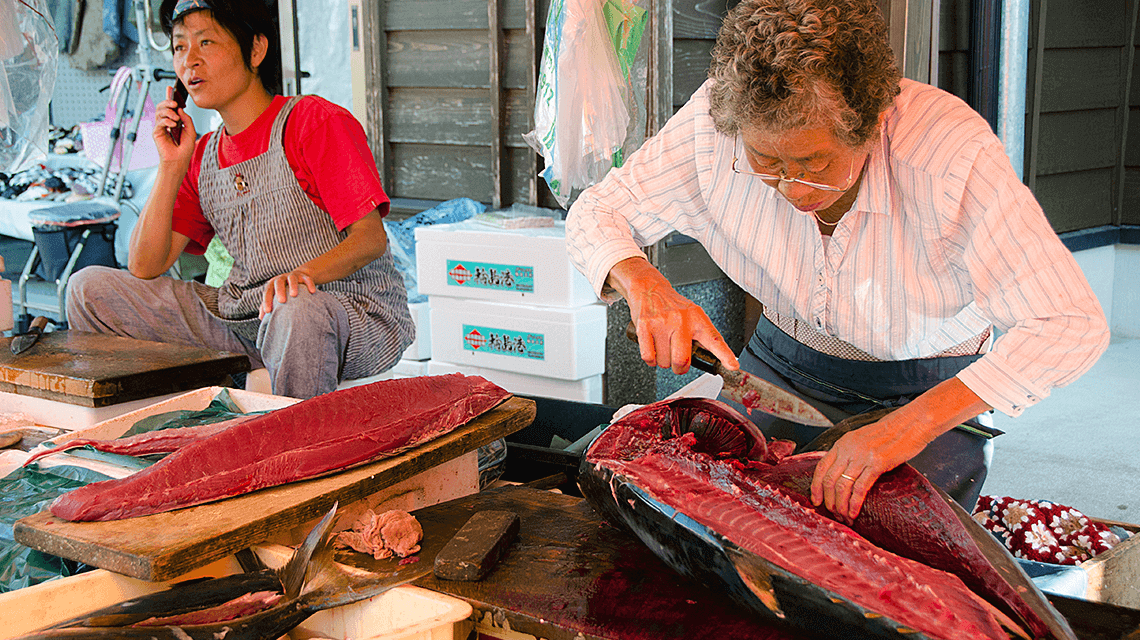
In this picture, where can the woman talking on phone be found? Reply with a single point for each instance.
(290, 188)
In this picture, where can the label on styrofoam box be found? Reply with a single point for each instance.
(521, 266)
(555, 342)
(420, 349)
(585, 390)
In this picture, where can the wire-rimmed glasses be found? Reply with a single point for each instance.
(781, 177)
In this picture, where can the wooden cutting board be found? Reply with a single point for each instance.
(164, 546)
(98, 370)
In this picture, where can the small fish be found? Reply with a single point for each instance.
(267, 603)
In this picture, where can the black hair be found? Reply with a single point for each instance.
(244, 20)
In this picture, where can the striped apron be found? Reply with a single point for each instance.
(270, 226)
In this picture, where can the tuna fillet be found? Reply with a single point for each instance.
(322, 435)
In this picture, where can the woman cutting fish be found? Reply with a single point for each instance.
(899, 260)
(290, 188)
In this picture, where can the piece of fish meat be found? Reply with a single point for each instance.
(393, 532)
(322, 435)
(739, 518)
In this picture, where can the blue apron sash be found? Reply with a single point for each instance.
(956, 461)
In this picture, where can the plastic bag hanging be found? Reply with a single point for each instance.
(29, 51)
(581, 111)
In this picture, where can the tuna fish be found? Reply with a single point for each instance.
(315, 437)
(699, 484)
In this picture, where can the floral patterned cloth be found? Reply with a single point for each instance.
(1042, 531)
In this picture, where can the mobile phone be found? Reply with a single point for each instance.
(180, 94)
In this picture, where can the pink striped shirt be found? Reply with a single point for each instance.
(942, 242)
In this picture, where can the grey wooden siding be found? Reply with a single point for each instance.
(438, 122)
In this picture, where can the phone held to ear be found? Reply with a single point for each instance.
(179, 97)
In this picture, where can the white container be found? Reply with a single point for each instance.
(64, 415)
(403, 369)
(520, 266)
(555, 342)
(584, 390)
(420, 349)
(404, 613)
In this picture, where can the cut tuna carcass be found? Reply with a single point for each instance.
(322, 435)
(740, 520)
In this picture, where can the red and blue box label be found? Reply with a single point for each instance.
(520, 344)
(486, 275)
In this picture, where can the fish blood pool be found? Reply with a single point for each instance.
(322, 435)
(699, 485)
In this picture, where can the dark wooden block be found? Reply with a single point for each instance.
(477, 546)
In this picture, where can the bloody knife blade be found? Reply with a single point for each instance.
(24, 341)
(751, 391)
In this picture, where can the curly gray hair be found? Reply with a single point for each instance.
(786, 64)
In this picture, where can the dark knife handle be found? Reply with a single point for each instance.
(701, 357)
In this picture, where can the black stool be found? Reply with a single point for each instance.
(67, 238)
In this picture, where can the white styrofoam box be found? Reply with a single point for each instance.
(64, 415)
(258, 379)
(402, 613)
(584, 390)
(522, 266)
(405, 613)
(555, 342)
(420, 349)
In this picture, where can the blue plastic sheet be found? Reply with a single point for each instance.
(402, 236)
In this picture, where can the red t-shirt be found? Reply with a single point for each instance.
(326, 148)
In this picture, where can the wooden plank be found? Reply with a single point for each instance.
(1127, 64)
(442, 172)
(98, 370)
(453, 59)
(1037, 23)
(1077, 141)
(1130, 211)
(569, 576)
(415, 15)
(691, 60)
(166, 545)
(698, 19)
(1079, 200)
(1081, 79)
(376, 86)
(495, 131)
(1086, 23)
(455, 116)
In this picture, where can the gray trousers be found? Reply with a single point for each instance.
(300, 343)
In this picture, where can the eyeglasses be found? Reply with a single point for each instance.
(783, 178)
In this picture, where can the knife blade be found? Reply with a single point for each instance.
(751, 391)
(24, 341)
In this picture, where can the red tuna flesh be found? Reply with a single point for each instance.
(142, 444)
(763, 508)
(322, 435)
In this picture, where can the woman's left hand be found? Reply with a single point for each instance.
(846, 473)
(283, 287)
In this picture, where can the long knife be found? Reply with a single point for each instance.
(752, 392)
(24, 341)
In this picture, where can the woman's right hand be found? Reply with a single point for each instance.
(167, 116)
(667, 323)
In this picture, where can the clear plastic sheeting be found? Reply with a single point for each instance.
(29, 51)
(582, 108)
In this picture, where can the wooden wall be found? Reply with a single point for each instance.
(1082, 144)
(438, 117)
